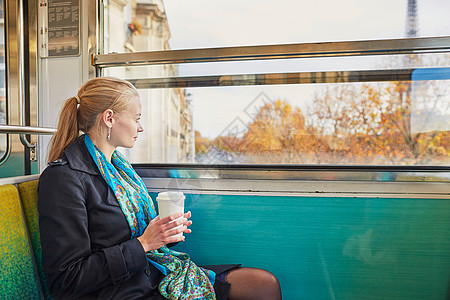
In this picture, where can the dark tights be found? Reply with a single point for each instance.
(252, 283)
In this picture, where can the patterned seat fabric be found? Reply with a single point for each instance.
(29, 196)
(18, 279)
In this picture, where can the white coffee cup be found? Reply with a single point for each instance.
(170, 203)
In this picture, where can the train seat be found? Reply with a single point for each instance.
(29, 196)
(18, 275)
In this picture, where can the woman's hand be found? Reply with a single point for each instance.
(160, 232)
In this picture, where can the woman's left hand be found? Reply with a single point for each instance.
(188, 222)
(160, 232)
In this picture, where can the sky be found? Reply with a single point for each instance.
(206, 23)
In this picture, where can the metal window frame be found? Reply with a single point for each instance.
(281, 51)
(285, 51)
(281, 172)
(275, 79)
(295, 180)
(302, 188)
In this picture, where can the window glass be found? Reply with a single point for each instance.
(204, 23)
(370, 123)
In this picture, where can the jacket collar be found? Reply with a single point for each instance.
(79, 158)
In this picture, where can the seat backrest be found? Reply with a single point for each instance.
(29, 195)
(18, 279)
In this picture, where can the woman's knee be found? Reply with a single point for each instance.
(258, 282)
(269, 281)
(255, 275)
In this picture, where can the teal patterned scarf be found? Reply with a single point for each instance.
(183, 280)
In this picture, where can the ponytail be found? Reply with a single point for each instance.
(94, 97)
(67, 131)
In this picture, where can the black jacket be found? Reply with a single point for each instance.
(87, 252)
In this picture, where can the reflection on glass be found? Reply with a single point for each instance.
(292, 65)
(259, 22)
(370, 123)
(167, 114)
(3, 119)
(394, 123)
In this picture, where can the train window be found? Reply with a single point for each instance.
(3, 116)
(261, 22)
(370, 110)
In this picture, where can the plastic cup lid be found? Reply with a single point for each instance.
(170, 196)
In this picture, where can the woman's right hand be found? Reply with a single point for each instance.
(160, 232)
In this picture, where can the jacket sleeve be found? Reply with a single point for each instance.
(71, 268)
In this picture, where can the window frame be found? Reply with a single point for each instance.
(409, 46)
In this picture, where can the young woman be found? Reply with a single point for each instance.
(100, 235)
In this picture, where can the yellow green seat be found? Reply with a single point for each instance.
(29, 196)
(18, 279)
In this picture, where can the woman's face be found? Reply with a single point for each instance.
(126, 127)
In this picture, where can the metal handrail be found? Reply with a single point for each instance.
(303, 50)
(274, 78)
(26, 130)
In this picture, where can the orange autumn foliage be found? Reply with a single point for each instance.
(345, 124)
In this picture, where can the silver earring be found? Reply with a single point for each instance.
(109, 133)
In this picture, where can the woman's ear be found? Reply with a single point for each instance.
(108, 117)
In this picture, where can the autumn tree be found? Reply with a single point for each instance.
(278, 133)
(372, 124)
(201, 144)
(408, 144)
(381, 123)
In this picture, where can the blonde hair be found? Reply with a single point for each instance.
(95, 96)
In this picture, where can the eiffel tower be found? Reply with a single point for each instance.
(411, 19)
(410, 61)
(411, 31)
